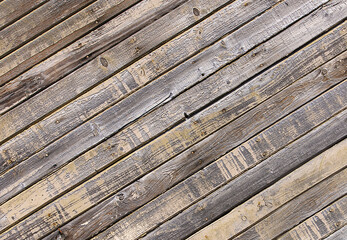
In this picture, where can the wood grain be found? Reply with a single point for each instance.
(12, 10)
(84, 50)
(36, 23)
(338, 235)
(270, 199)
(58, 156)
(103, 155)
(299, 209)
(62, 35)
(261, 176)
(73, 85)
(126, 82)
(188, 192)
(322, 224)
(117, 176)
(178, 168)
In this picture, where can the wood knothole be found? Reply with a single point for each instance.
(196, 11)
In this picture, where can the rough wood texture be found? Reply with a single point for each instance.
(113, 89)
(117, 176)
(322, 224)
(298, 209)
(267, 201)
(12, 10)
(83, 50)
(72, 85)
(62, 155)
(259, 177)
(37, 22)
(152, 119)
(59, 36)
(193, 189)
(338, 235)
(177, 169)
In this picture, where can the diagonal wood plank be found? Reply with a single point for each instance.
(261, 176)
(87, 48)
(338, 235)
(117, 176)
(322, 224)
(60, 36)
(12, 10)
(81, 51)
(36, 23)
(85, 165)
(270, 199)
(59, 123)
(73, 85)
(59, 156)
(178, 168)
(299, 209)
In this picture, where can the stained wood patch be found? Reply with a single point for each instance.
(153, 119)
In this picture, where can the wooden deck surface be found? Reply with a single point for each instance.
(173, 119)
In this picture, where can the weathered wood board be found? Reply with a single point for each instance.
(173, 119)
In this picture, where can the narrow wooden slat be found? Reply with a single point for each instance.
(298, 209)
(60, 36)
(261, 176)
(125, 52)
(101, 39)
(37, 22)
(112, 90)
(117, 176)
(178, 168)
(11, 10)
(270, 199)
(339, 235)
(103, 155)
(36, 168)
(322, 224)
(196, 187)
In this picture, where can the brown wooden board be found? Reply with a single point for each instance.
(117, 176)
(198, 101)
(321, 224)
(12, 10)
(113, 90)
(299, 209)
(36, 23)
(178, 167)
(261, 176)
(283, 191)
(61, 35)
(338, 235)
(87, 48)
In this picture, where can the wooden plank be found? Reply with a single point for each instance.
(261, 176)
(176, 199)
(338, 235)
(37, 22)
(101, 39)
(298, 209)
(112, 179)
(59, 123)
(60, 155)
(103, 155)
(60, 36)
(12, 10)
(106, 213)
(322, 224)
(179, 48)
(270, 199)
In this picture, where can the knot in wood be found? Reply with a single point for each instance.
(196, 11)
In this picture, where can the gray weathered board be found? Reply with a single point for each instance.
(173, 119)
